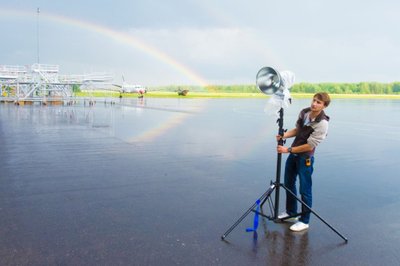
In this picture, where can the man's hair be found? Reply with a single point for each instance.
(323, 96)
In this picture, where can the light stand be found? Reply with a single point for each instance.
(281, 131)
(275, 186)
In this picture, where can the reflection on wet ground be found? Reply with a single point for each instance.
(157, 182)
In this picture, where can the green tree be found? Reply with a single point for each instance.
(396, 87)
(76, 88)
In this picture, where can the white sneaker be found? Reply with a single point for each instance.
(299, 226)
(283, 215)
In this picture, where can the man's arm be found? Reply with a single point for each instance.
(299, 149)
(288, 134)
(319, 133)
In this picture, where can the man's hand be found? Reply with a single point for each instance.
(282, 149)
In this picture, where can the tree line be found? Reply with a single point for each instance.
(333, 88)
(349, 88)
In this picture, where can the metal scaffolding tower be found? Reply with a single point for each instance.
(42, 83)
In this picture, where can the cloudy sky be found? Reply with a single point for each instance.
(163, 42)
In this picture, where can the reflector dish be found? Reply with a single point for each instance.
(268, 80)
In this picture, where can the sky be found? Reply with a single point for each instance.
(203, 42)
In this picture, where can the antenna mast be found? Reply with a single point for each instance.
(37, 34)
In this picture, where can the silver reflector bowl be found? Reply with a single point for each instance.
(268, 80)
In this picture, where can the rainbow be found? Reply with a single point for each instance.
(160, 129)
(118, 36)
(126, 39)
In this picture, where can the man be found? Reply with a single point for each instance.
(311, 128)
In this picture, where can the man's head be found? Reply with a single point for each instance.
(324, 97)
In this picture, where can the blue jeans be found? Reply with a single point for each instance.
(296, 166)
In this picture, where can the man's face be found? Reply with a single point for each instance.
(317, 105)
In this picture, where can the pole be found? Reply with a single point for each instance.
(278, 164)
(37, 34)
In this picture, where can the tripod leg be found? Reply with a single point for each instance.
(265, 195)
(316, 214)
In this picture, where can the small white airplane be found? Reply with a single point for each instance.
(131, 88)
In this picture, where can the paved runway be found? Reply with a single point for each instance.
(135, 184)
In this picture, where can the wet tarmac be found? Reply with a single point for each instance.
(158, 181)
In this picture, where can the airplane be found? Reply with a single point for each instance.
(131, 88)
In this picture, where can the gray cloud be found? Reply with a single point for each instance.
(220, 41)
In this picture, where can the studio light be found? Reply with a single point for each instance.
(268, 80)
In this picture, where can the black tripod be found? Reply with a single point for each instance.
(275, 186)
